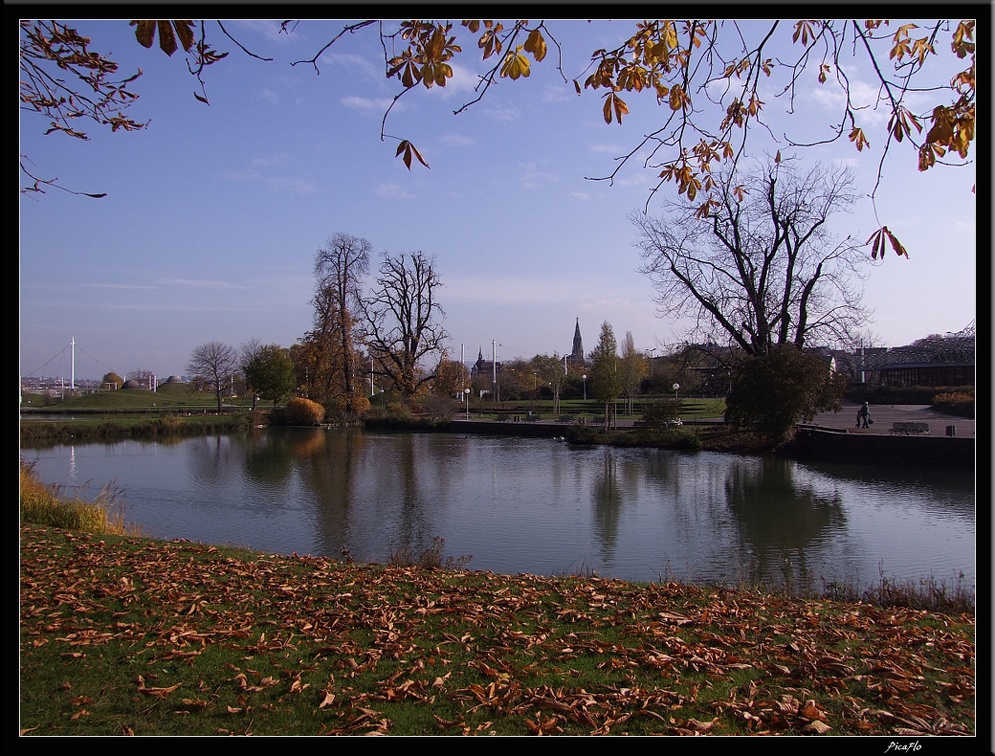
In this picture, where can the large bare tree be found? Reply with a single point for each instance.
(402, 320)
(763, 266)
(215, 362)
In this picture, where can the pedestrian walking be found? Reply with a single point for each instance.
(864, 416)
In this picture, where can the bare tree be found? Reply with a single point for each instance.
(215, 362)
(339, 268)
(762, 267)
(143, 377)
(402, 320)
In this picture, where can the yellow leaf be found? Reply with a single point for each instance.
(515, 65)
(536, 45)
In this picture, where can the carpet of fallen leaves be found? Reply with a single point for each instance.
(144, 637)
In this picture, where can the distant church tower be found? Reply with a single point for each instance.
(577, 355)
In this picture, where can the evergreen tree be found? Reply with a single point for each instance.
(606, 377)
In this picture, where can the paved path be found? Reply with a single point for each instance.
(884, 415)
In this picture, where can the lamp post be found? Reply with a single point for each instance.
(585, 386)
(466, 398)
(677, 386)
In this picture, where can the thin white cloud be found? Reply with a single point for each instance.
(863, 96)
(119, 287)
(281, 184)
(269, 95)
(605, 148)
(545, 290)
(270, 29)
(534, 177)
(288, 184)
(280, 158)
(506, 114)
(200, 283)
(558, 93)
(457, 140)
(349, 60)
(394, 191)
(370, 105)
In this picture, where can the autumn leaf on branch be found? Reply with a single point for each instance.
(145, 32)
(515, 65)
(877, 241)
(858, 138)
(407, 150)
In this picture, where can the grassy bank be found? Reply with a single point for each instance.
(125, 635)
(103, 429)
(122, 635)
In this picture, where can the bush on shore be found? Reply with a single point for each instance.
(957, 403)
(40, 505)
(301, 411)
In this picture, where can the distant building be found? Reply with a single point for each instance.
(576, 356)
(483, 372)
(934, 361)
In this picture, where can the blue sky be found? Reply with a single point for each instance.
(213, 213)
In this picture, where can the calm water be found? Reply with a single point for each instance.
(536, 505)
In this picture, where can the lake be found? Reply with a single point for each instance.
(537, 505)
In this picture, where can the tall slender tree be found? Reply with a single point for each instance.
(333, 353)
(632, 368)
(606, 377)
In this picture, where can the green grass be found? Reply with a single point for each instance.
(169, 397)
(125, 635)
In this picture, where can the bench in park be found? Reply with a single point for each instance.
(910, 428)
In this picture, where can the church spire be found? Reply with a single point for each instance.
(577, 355)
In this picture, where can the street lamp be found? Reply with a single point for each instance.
(466, 398)
(585, 386)
(676, 388)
